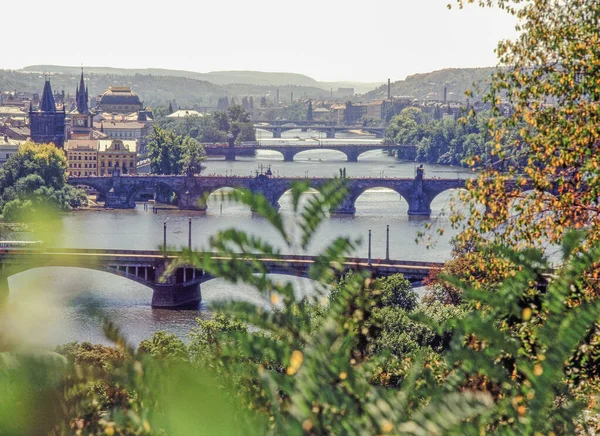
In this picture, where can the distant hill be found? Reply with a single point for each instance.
(431, 85)
(258, 78)
(190, 89)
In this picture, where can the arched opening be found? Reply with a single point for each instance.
(321, 154)
(56, 305)
(163, 193)
(444, 202)
(381, 202)
(219, 204)
(269, 155)
(286, 206)
(377, 155)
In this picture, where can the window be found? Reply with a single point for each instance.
(110, 163)
(94, 157)
(79, 157)
(102, 163)
(79, 167)
(85, 157)
(130, 164)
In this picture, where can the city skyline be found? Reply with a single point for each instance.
(328, 42)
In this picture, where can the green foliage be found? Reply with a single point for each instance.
(215, 127)
(164, 345)
(396, 291)
(449, 141)
(174, 154)
(34, 179)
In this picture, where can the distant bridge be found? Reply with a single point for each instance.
(277, 128)
(181, 288)
(192, 191)
(352, 151)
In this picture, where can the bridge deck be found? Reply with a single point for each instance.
(87, 256)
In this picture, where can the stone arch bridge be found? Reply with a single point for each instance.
(278, 128)
(192, 191)
(289, 151)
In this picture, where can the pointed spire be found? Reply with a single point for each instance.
(47, 103)
(81, 96)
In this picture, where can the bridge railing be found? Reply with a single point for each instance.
(174, 254)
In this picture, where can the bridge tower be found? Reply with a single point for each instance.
(418, 201)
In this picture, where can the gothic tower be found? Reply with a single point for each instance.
(47, 123)
(81, 123)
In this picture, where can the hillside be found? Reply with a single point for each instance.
(155, 90)
(431, 85)
(258, 78)
(189, 89)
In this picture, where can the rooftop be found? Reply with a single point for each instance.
(120, 95)
(104, 145)
(182, 113)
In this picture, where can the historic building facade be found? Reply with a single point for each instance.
(118, 155)
(82, 156)
(47, 123)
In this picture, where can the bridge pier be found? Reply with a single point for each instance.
(119, 199)
(419, 202)
(347, 206)
(288, 155)
(230, 155)
(276, 133)
(177, 290)
(331, 133)
(352, 155)
(193, 200)
(174, 296)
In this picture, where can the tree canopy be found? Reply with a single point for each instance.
(35, 177)
(170, 153)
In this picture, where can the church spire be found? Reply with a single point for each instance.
(47, 103)
(81, 97)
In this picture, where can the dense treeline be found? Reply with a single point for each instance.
(450, 140)
(215, 127)
(35, 178)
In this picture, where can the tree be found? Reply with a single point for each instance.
(309, 111)
(549, 77)
(193, 156)
(35, 178)
(238, 113)
(165, 150)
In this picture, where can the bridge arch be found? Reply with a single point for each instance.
(317, 149)
(442, 200)
(285, 199)
(143, 275)
(214, 198)
(381, 200)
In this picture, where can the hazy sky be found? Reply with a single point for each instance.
(325, 39)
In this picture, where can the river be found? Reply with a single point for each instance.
(51, 306)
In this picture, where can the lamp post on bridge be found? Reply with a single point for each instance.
(190, 234)
(369, 255)
(165, 238)
(387, 242)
